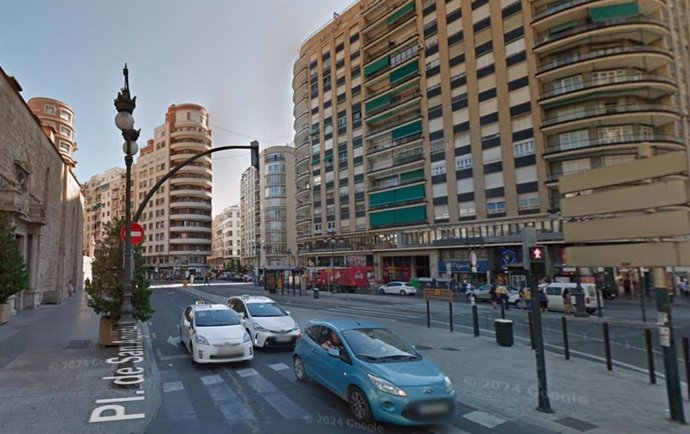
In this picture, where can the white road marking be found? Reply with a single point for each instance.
(279, 366)
(227, 401)
(172, 386)
(485, 419)
(281, 403)
(246, 372)
(211, 379)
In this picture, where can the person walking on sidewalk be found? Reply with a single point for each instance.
(493, 296)
(502, 294)
(206, 279)
(70, 288)
(543, 300)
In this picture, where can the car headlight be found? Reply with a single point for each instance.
(449, 385)
(200, 339)
(258, 328)
(386, 386)
(246, 338)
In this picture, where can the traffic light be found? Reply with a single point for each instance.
(255, 154)
(537, 259)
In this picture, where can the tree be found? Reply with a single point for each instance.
(107, 285)
(13, 275)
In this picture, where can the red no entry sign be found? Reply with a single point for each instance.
(137, 233)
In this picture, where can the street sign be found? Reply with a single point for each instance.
(137, 232)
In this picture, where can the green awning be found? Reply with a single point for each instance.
(376, 66)
(415, 214)
(399, 195)
(407, 130)
(412, 176)
(562, 27)
(378, 102)
(621, 10)
(315, 161)
(404, 72)
(395, 16)
(379, 117)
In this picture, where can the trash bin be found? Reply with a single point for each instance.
(315, 291)
(504, 332)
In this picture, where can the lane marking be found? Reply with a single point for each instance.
(485, 419)
(211, 379)
(285, 406)
(279, 366)
(172, 386)
(248, 372)
(227, 401)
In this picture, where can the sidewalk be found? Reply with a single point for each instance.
(52, 369)
(583, 394)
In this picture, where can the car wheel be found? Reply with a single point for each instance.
(402, 292)
(298, 368)
(359, 405)
(191, 352)
(381, 291)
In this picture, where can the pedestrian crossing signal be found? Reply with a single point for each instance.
(536, 254)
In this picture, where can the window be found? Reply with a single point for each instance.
(467, 209)
(463, 163)
(330, 225)
(567, 84)
(615, 134)
(64, 114)
(317, 180)
(523, 147)
(401, 56)
(438, 168)
(614, 76)
(317, 228)
(495, 206)
(528, 201)
(65, 131)
(49, 110)
(573, 139)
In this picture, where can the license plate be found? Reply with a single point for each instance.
(283, 338)
(432, 408)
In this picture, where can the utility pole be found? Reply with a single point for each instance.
(675, 397)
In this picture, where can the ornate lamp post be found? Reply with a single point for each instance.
(124, 120)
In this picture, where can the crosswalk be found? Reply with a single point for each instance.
(265, 395)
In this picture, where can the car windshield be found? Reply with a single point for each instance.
(215, 318)
(265, 309)
(379, 345)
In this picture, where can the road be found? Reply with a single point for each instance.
(263, 395)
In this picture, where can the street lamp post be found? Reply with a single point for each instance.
(124, 121)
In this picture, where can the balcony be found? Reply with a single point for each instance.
(377, 21)
(187, 180)
(199, 170)
(657, 114)
(640, 57)
(201, 229)
(391, 100)
(626, 80)
(393, 145)
(195, 134)
(190, 241)
(624, 141)
(180, 157)
(400, 129)
(190, 204)
(562, 11)
(189, 146)
(402, 159)
(193, 217)
(407, 112)
(401, 39)
(189, 192)
(587, 30)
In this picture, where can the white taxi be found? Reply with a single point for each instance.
(268, 324)
(213, 333)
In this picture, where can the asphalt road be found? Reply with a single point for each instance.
(263, 395)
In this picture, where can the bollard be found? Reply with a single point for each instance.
(686, 357)
(531, 330)
(450, 312)
(607, 347)
(566, 346)
(428, 315)
(503, 310)
(650, 355)
(475, 321)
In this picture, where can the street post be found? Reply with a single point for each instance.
(536, 264)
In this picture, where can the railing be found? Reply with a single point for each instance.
(628, 77)
(596, 54)
(599, 111)
(550, 10)
(375, 187)
(627, 138)
(396, 121)
(394, 143)
(397, 161)
(396, 100)
(593, 26)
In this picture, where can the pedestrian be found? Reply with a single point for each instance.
(70, 288)
(502, 294)
(466, 285)
(206, 279)
(494, 296)
(543, 300)
(567, 302)
(526, 294)
(685, 288)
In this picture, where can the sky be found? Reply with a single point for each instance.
(233, 57)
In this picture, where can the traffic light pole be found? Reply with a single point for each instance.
(544, 403)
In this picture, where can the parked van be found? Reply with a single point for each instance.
(554, 292)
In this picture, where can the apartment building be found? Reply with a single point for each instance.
(177, 219)
(250, 220)
(58, 117)
(104, 201)
(432, 130)
(276, 187)
(226, 237)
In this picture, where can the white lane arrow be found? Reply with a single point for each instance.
(175, 342)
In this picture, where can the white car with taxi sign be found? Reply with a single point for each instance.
(268, 324)
(213, 333)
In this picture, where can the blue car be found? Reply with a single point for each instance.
(380, 375)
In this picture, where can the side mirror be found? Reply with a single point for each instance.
(334, 352)
(287, 312)
(241, 315)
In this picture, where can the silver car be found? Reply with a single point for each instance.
(401, 288)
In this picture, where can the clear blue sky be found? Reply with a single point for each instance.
(234, 57)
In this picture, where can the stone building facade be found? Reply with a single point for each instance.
(43, 197)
